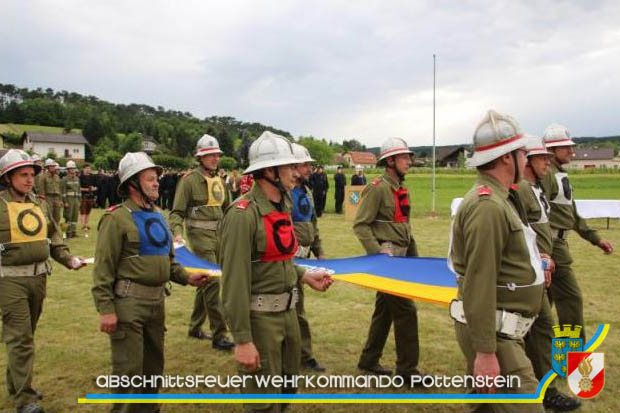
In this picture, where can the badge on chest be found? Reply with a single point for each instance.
(302, 205)
(155, 237)
(401, 205)
(281, 242)
(215, 191)
(27, 222)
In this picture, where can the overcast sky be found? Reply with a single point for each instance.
(334, 70)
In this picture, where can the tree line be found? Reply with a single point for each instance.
(114, 129)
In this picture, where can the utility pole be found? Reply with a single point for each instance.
(434, 189)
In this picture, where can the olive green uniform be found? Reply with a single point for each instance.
(564, 291)
(28, 238)
(495, 270)
(138, 342)
(51, 189)
(38, 184)
(251, 268)
(71, 193)
(376, 226)
(307, 234)
(199, 203)
(538, 341)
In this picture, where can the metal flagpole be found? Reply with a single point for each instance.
(433, 211)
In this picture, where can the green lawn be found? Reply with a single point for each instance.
(448, 187)
(18, 129)
(71, 352)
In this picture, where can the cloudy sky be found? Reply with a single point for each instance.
(333, 69)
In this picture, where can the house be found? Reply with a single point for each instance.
(148, 144)
(66, 145)
(448, 156)
(594, 158)
(353, 158)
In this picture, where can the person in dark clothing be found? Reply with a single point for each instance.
(174, 180)
(114, 181)
(165, 182)
(109, 190)
(319, 190)
(341, 180)
(88, 188)
(101, 179)
(359, 178)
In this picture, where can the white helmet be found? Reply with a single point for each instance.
(134, 162)
(301, 153)
(391, 147)
(16, 158)
(207, 145)
(535, 146)
(71, 165)
(557, 135)
(270, 150)
(496, 135)
(50, 162)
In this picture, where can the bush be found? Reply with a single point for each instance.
(228, 163)
(108, 161)
(170, 161)
(12, 139)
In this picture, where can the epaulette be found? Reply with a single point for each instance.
(113, 208)
(484, 190)
(242, 204)
(514, 187)
(377, 181)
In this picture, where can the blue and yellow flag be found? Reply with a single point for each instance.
(417, 278)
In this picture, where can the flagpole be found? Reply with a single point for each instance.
(433, 210)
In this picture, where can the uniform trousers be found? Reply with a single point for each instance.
(564, 291)
(402, 312)
(276, 337)
(21, 304)
(512, 361)
(138, 346)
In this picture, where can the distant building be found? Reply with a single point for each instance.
(148, 144)
(449, 156)
(594, 158)
(68, 145)
(353, 158)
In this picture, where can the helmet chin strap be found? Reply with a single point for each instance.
(514, 160)
(401, 177)
(532, 168)
(275, 182)
(145, 199)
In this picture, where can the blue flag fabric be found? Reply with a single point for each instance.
(417, 278)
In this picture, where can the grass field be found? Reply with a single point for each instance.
(448, 187)
(71, 352)
(18, 129)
